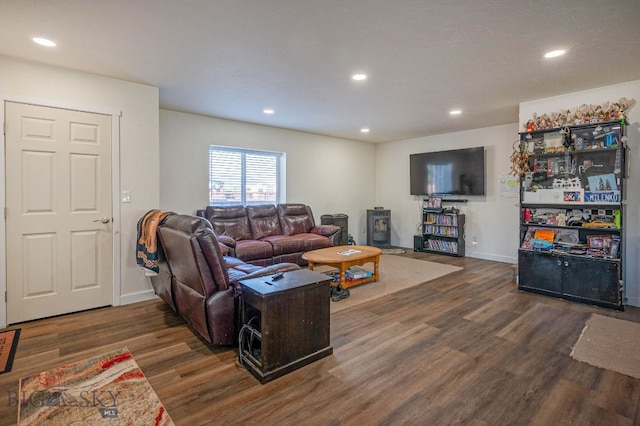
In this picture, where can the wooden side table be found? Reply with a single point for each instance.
(285, 323)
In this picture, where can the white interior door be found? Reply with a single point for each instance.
(58, 211)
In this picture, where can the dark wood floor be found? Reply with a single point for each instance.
(464, 349)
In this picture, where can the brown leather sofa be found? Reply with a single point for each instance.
(198, 281)
(270, 234)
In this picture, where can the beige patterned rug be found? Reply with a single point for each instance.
(610, 343)
(393, 251)
(109, 389)
(397, 273)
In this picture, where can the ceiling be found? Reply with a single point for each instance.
(233, 58)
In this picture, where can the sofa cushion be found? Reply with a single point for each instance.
(284, 244)
(232, 262)
(313, 241)
(295, 218)
(249, 250)
(229, 220)
(236, 275)
(263, 221)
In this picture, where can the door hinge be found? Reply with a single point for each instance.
(4, 128)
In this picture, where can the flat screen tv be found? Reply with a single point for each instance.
(454, 172)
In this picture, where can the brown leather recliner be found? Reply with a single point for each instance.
(204, 283)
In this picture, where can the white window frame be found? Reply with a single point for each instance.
(280, 158)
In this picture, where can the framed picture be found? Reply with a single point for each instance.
(434, 203)
(613, 248)
(598, 241)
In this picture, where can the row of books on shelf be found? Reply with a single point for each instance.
(440, 245)
(446, 231)
(441, 219)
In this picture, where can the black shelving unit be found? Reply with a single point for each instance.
(572, 213)
(442, 232)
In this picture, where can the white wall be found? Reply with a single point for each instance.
(599, 96)
(492, 220)
(139, 146)
(330, 175)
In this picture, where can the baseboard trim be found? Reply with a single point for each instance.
(140, 296)
(633, 301)
(486, 256)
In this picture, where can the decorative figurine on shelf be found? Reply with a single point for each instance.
(584, 114)
(562, 219)
(530, 126)
(626, 104)
(528, 179)
(542, 122)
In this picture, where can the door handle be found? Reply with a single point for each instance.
(103, 220)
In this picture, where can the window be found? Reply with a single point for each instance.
(243, 176)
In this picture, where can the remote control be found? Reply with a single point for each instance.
(277, 276)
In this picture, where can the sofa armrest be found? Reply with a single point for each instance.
(330, 231)
(224, 249)
(227, 245)
(227, 241)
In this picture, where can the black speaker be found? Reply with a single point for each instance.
(418, 243)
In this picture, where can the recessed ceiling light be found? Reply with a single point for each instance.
(554, 53)
(268, 111)
(364, 130)
(455, 112)
(359, 77)
(44, 42)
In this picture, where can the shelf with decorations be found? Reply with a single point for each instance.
(572, 212)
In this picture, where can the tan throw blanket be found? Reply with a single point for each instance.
(146, 243)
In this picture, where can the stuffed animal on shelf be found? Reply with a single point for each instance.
(583, 114)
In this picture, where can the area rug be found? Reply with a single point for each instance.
(396, 273)
(105, 389)
(8, 347)
(610, 343)
(393, 251)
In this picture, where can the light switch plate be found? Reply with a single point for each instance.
(126, 196)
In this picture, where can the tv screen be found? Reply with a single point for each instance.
(455, 172)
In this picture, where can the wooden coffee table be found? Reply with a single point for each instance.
(332, 256)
